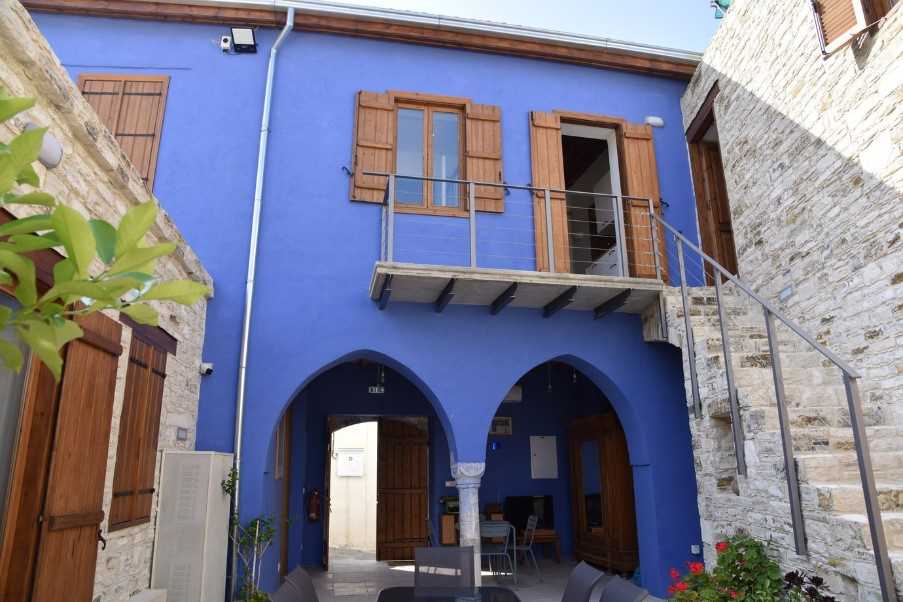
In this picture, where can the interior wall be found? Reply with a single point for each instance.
(544, 410)
(352, 507)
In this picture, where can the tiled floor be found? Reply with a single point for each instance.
(358, 577)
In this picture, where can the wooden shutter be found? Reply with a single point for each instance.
(374, 145)
(483, 154)
(640, 175)
(73, 507)
(132, 108)
(548, 172)
(139, 426)
(838, 21)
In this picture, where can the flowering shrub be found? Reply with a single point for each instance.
(743, 572)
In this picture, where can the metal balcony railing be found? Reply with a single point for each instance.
(545, 229)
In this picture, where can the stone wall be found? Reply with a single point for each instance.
(813, 156)
(97, 178)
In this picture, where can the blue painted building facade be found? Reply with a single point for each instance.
(314, 321)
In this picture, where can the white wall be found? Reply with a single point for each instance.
(352, 522)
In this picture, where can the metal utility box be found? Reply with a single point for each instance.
(192, 527)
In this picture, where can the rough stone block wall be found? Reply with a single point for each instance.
(97, 178)
(813, 157)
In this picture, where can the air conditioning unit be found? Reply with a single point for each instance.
(149, 595)
(192, 527)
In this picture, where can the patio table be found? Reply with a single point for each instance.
(447, 594)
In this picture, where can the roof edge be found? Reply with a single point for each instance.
(404, 26)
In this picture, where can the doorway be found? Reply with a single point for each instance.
(377, 495)
(352, 491)
(594, 227)
(716, 231)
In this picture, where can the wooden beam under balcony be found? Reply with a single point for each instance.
(417, 283)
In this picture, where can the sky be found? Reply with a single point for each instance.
(684, 24)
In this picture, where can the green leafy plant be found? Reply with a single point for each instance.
(743, 572)
(803, 587)
(251, 541)
(228, 484)
(105, 267)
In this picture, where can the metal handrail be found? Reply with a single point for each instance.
(851, 386)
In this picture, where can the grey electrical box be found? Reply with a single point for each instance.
(192, 527)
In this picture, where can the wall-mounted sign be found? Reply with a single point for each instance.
(350, 462)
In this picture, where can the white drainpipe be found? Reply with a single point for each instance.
(252, 269)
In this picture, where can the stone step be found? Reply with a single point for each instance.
(893, 528)
(848, 498)
(824, 439)
(842, 467)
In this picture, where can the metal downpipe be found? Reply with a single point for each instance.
(249, 285)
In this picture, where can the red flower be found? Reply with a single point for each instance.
(734, 595)
(721, 546)
(681, 586)
(675, 574)
(696, 567)
(671, 589)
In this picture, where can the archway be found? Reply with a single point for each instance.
(556, 450)
(355, 389)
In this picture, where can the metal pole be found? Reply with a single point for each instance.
(618, 208)
(390, 211)
(793, 483)
(550, 245)
(382, 225)
(869, 490)
(653, 226)
(472, 217)
(691, 350)
(249, 287)
(736, 425)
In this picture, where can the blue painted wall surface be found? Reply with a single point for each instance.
(317, 248)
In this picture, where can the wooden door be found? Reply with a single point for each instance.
(402, 489)
(609, 539)
(713, 207)
(73, 504)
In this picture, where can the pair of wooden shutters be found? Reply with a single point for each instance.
(50, 546)
(639, 178)
(132, 108)
(136, 453)
(839, 21)
(374, 147)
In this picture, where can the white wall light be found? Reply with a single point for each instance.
(243, 40)
(51, 150)
(655, 121)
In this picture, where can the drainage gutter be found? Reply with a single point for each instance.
(249, 285)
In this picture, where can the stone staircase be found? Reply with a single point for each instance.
(836, 525)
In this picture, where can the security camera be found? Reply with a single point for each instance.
(225, 43)
(206, 368)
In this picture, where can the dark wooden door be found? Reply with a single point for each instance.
(714, 209)
(73, 504)
(402, 495)
(604, 518)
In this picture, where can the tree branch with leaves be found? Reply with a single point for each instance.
(104, 268)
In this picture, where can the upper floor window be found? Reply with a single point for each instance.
(131, 106)
(839, 21)
(427, 136)
(428, 143)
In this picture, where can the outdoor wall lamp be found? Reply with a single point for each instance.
(243, 40)
(51, 150)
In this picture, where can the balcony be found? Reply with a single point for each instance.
(550, 249)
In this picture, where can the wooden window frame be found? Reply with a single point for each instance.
(429, 104)
(163, 80)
